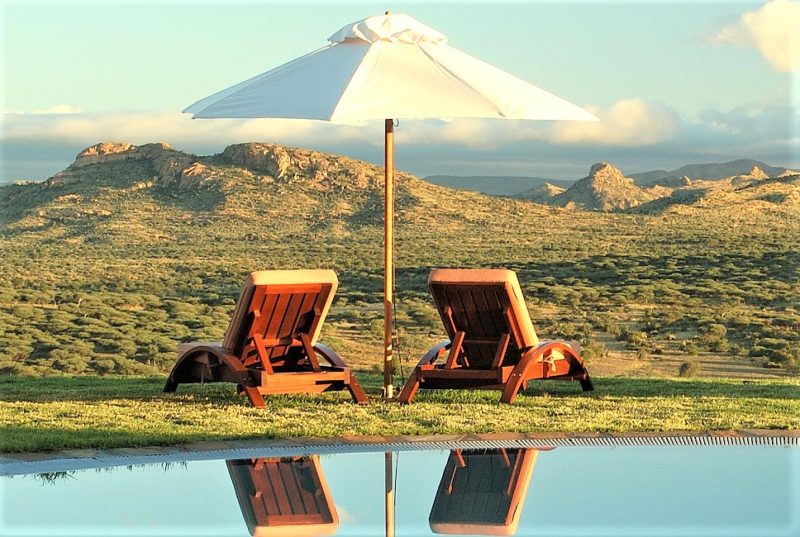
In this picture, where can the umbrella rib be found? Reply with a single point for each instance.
(462, 81)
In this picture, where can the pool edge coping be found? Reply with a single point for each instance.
(81, 459)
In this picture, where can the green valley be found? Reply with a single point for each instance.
(132, 249)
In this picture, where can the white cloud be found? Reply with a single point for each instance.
(629, 123)
(626, 123)
(58, 109)
(167, 126)
(773, 29)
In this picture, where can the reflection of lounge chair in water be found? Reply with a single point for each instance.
(283, 496)
(492, 341)
(271, 345)
(482, 491)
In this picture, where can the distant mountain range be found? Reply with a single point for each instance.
(711, 171)
(533, 187)
(494, 185)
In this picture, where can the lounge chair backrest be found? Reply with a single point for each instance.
(484, 304)
(280, 304)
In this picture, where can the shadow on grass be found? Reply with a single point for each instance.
(621, 387)
(19, 439)
(144, 389)
(90, 388)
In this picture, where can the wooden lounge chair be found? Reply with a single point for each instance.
(271, 345)
(482, 492)
(492, 341)
(283, 496)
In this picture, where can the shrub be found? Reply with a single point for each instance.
(688, 369)
(593, 350)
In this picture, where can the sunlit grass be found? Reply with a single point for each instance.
(100, 412)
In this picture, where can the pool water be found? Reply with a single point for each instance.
(562, 491)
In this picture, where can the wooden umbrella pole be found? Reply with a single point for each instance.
(389, 496)
(388, 277)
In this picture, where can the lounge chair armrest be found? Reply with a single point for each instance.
(434, 352)
(329, 354)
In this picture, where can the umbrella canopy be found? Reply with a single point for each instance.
(386, 67)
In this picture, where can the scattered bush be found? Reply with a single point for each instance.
(688, 369)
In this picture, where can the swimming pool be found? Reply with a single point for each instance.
(527, 487)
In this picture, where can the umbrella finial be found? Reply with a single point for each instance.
(388, 12)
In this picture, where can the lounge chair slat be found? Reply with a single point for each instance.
(304, 314)
(291, 486)
(276, 481)
(483, 355)
(482, 300)
(465, 321)
(276, 320)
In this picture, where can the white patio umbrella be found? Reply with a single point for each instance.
(386, 67)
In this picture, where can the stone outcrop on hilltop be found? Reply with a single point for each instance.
(323, 170)
(756, 174)
(543, 193)
(270, 158)
(169, 164)
(605, 189)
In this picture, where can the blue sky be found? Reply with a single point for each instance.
(672, 83)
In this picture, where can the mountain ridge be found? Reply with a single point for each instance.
(706, 171)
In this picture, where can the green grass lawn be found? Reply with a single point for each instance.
(51, 413)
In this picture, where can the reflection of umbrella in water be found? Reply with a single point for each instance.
(284, 496)
(384, 67)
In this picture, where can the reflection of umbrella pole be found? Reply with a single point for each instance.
(388, 239)
(389, 495)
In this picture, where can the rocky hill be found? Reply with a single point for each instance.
(154, 190)
(607, 189)
(604, 189)
(117, 191)
(754, 193)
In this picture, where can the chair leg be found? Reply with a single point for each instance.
(410, 388)
(586, 384)
(517, 378)
(252, 393)
(356, 391)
